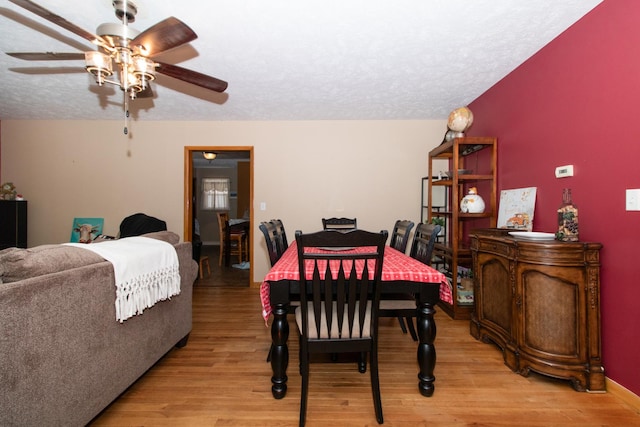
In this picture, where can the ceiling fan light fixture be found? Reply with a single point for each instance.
(98, 64)
(129, 82)
(209, 155)
(144, 68)
(129, 49)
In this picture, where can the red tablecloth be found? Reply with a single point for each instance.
(395, 267)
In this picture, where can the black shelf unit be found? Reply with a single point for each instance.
(13, 224)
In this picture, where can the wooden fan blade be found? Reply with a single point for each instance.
(162, 36)
(47, 56)
(58, 20)
(192, 77)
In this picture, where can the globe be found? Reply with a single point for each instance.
(460, 119)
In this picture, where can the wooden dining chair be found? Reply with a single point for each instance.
(339, 224)
(281, 234)
(269, 231)
(400, 235)
(237, 239)
(399, 240)
(403, 306)
(276, 240)
(339, 315)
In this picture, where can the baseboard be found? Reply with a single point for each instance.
(256, 285)
(624, 394)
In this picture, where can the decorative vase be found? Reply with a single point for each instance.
(472, 202)
(567, 219)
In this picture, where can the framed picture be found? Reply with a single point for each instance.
(516, 208)
(84, 230)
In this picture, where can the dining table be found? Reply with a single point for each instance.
(400, 274)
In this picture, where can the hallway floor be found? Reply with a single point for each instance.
(222, 276)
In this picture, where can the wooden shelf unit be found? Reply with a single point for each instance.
(478, 156)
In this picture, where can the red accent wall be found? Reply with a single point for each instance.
(574, 103)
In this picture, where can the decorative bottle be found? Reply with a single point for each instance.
(567, 219)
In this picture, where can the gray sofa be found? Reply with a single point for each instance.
(63, 355)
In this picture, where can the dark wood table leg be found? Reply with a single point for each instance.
(426, 348)
(280, 350)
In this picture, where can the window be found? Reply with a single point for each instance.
(215, 194)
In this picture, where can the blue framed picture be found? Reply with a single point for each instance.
(84, 230)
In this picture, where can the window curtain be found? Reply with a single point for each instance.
(215, 194)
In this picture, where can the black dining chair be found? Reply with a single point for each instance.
(281, 235)
(269, 231)
(399, 241)
(400, 235)
(339, 224)
(275, 237)
(341, 315)
(403, 306)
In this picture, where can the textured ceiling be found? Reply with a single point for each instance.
(287, 59)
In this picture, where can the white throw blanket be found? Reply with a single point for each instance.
(146, 271)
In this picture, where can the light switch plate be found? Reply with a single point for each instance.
(633, 200)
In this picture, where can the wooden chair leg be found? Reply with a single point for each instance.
(304, 371)
(401, 321)
(204, 262)
(362, 362)
(412, 329)
(375, 386)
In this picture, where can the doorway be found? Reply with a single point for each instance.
(238, 158)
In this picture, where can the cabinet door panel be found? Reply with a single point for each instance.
(495, 293)
(551, 320)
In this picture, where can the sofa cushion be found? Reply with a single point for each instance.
(19, 264)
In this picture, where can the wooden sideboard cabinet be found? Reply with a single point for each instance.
(539, 301)
(13, 223)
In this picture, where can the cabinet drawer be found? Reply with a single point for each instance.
(494, 247)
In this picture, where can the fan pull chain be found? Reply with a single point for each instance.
(126, 97)
(126, 114)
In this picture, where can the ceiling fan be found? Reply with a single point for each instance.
(127, 50)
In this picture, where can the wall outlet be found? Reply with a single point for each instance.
(564, 171)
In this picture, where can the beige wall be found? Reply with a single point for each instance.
(303, 170)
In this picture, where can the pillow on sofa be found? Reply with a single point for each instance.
(19, 264)
(167, 236)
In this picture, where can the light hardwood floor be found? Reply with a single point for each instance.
(221, 378)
